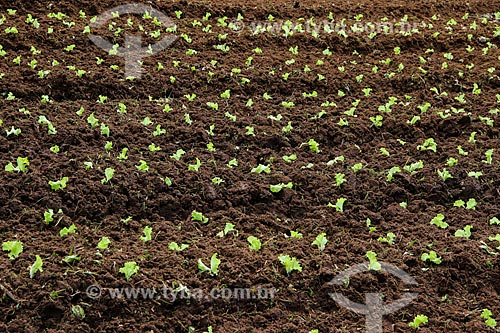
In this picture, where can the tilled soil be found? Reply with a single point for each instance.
(451, 294)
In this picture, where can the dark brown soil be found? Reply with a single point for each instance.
(452, 294)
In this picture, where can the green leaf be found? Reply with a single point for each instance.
(290, 264)
(255, 243)
(320, 241)
(103, 243)
(15, 248)
(129, 268)
(36, 267)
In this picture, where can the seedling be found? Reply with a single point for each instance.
(197, 216)
(374, 264)
(261, 168)
(495, 220)
(142, 166)
(15, 248)
(22, 165)
(108, 175)
(36, 266)
(389, 239)
(438, 221)
(489, 156)
(67, 230)
(175, 247)
(320, 241)
(195, 167)
(147, 234)
(290, 263)
(255, 243)
(412, 168)
(129, 268)
(295, 234)
(229, 227)
(428, 144)
(340, 179)
(178, 154)
(313, 145)
(391, 172)
(103, 243)
(444, 174)
(59, 185)
(487, 316)
(431, 256)
(471, 204)
(278, 187)
(465, 232)
(339, 205)
(214, 265)
(418, 320)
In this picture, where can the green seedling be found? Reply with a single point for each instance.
(255, 243)
(431, 256)
(147, 234)
(290, 263)
(320, 241)
(67, 230)
(60, 184)
(261, 168)
(389, 239)
(129, 268)
(214, 265)
(108, 175)
(178, 154)
(103, 243)
(175, 247)
(22, 165)
(489, 320)
(15, 248)
(418, 320)
(339, 205)
(374, 264)
(196, 166)
(278, 187)
(465, 232)
(438, 221)
(142, 166)
(36, 266)
(197, 216)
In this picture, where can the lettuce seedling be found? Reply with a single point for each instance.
(444, 174)
(36, 266)
(214, 265)
(438, 220)
(412, 168)
(320, 241)
(261, 168)
(229, 227)
(295, 234)
(313, 146)
(431, 256)
(147, 234)
(65, 231)
(43, 120)
(278, 187)
(374, 264)
(195, 167)
(92, 120)
(108, 175)
(418, 320)
(339, 205)
(489, 156)
(175, 247)
(129, 268)
(15, 248)
(391, 172)
(103, 243)
(143, 166)
(22, 165)
(290, 263)
(197, 216)
(13, 130)
(465, 232)
(178, 154)
(59, 185)
(487, 315)
(255, 243)
(495, 220)
(471, 204)
(389, 239)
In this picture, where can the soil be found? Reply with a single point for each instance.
(452, 294)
